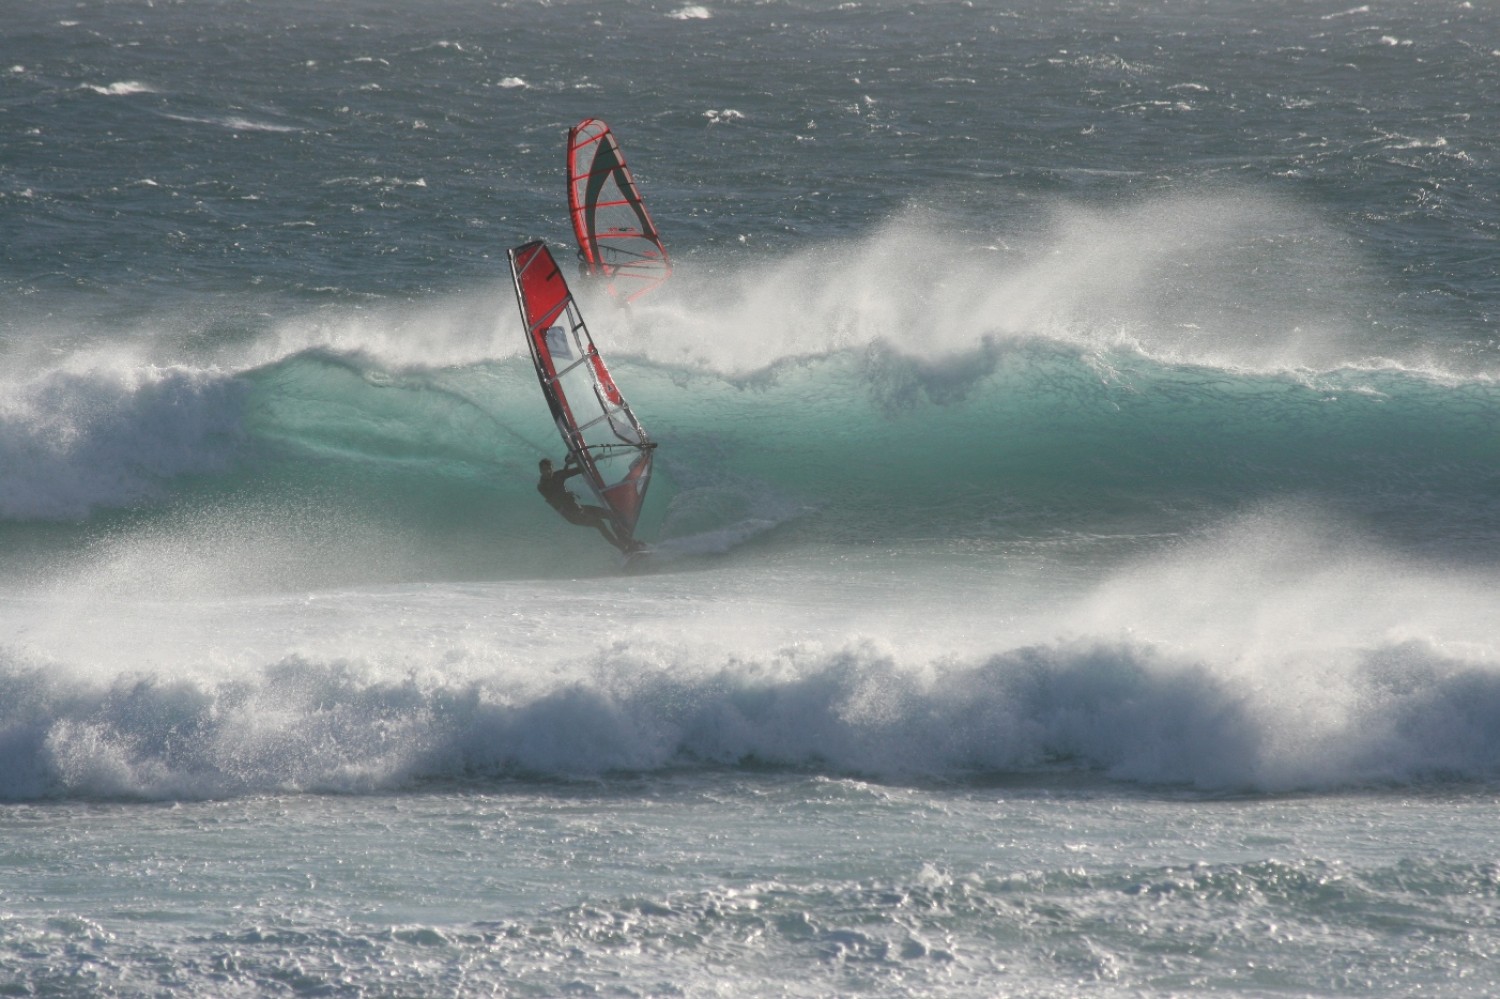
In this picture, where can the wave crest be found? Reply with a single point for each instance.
(1405, 713)
(75, 441)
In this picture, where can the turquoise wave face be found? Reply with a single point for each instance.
(1139, 373)
(867, 442)
(1014, 439)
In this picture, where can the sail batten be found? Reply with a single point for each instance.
(617, 240)
(598, 427)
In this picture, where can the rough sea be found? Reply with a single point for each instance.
(1077, 511)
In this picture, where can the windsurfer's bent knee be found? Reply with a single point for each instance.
(552, 486)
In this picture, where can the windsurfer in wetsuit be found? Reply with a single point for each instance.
(555, 492)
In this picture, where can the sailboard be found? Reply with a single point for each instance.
(616, 237)
(601, 432)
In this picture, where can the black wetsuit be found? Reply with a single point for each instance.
(551, 486)
(558, 498)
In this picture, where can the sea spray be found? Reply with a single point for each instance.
(73, 441)
(1221, 664)
(1021, 438)
(1398, 714)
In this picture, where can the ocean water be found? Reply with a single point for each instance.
(1077, 516)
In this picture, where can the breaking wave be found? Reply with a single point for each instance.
(1398, 713)
(1150, 362)
(920, 515)
(1006, 437)
(72, 441)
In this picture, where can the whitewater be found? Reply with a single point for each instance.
(1076, 519)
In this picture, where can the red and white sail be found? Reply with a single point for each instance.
(596, 423)
(616, 237)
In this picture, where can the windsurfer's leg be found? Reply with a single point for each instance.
(600, 519)
(609, 536)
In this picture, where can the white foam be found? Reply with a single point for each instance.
(1131, 711)
(234, 123)
(1278, 653)
(1230, 279)
(122, 89)
(459, 330)
(79, 438)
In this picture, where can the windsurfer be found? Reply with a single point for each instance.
(554, 490)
